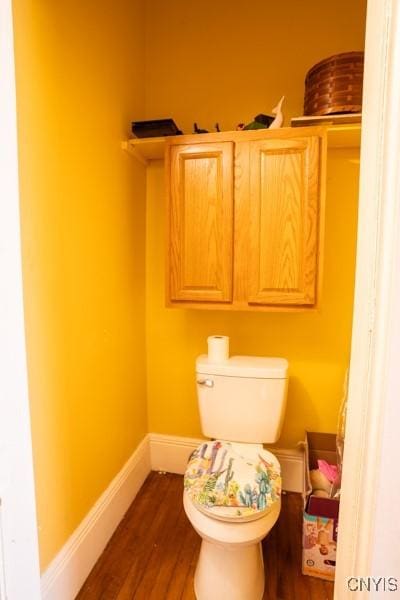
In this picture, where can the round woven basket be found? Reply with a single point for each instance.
(334, 85)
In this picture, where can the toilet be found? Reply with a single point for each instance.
(232, 485)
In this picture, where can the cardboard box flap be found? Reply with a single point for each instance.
(321, 441)
(318, 446)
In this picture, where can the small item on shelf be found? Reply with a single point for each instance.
(334, 85)
(262, 121)
(277, 111)
(155, 128)
(197, 129)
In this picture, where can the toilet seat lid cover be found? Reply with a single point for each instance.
(233, 482)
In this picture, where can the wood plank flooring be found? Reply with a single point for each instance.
(153, 553)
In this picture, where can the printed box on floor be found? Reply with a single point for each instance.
(320, 517)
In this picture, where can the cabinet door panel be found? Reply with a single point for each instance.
(201, 222)
(284, 216)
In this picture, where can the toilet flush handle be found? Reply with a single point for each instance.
(206, 382)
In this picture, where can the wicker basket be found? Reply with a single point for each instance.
(334, 85)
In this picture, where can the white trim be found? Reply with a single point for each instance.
(377, 304)
(171, 453)
(68, 571)
(19, 560)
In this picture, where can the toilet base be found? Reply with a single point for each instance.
(236, 573)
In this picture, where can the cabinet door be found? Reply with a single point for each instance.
(201, 222)
(284, 221)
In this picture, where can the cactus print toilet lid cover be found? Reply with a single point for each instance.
(233, 482)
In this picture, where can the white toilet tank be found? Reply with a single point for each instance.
(242, 399)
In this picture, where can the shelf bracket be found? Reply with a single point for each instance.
(125, 145)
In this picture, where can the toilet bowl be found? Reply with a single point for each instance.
(231, 562)
(232, 485)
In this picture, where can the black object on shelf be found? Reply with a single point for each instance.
(264, 119)
(260, 122)
(197, 129)
(155, 128)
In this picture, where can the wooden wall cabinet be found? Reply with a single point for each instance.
(245, 219)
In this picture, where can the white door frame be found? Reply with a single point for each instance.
(372, 436)
(19, 564)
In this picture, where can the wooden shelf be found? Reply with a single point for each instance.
(344, 136)
(146, 149)
(341, 119)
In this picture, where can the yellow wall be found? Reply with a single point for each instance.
(81, 74)
(80, 68)
(227, 61)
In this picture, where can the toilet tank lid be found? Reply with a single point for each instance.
(259, 367)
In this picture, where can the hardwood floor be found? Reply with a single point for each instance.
(153, 553)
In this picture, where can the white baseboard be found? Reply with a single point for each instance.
(66, 574)
(171, 453)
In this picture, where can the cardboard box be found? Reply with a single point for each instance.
(320, 518)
